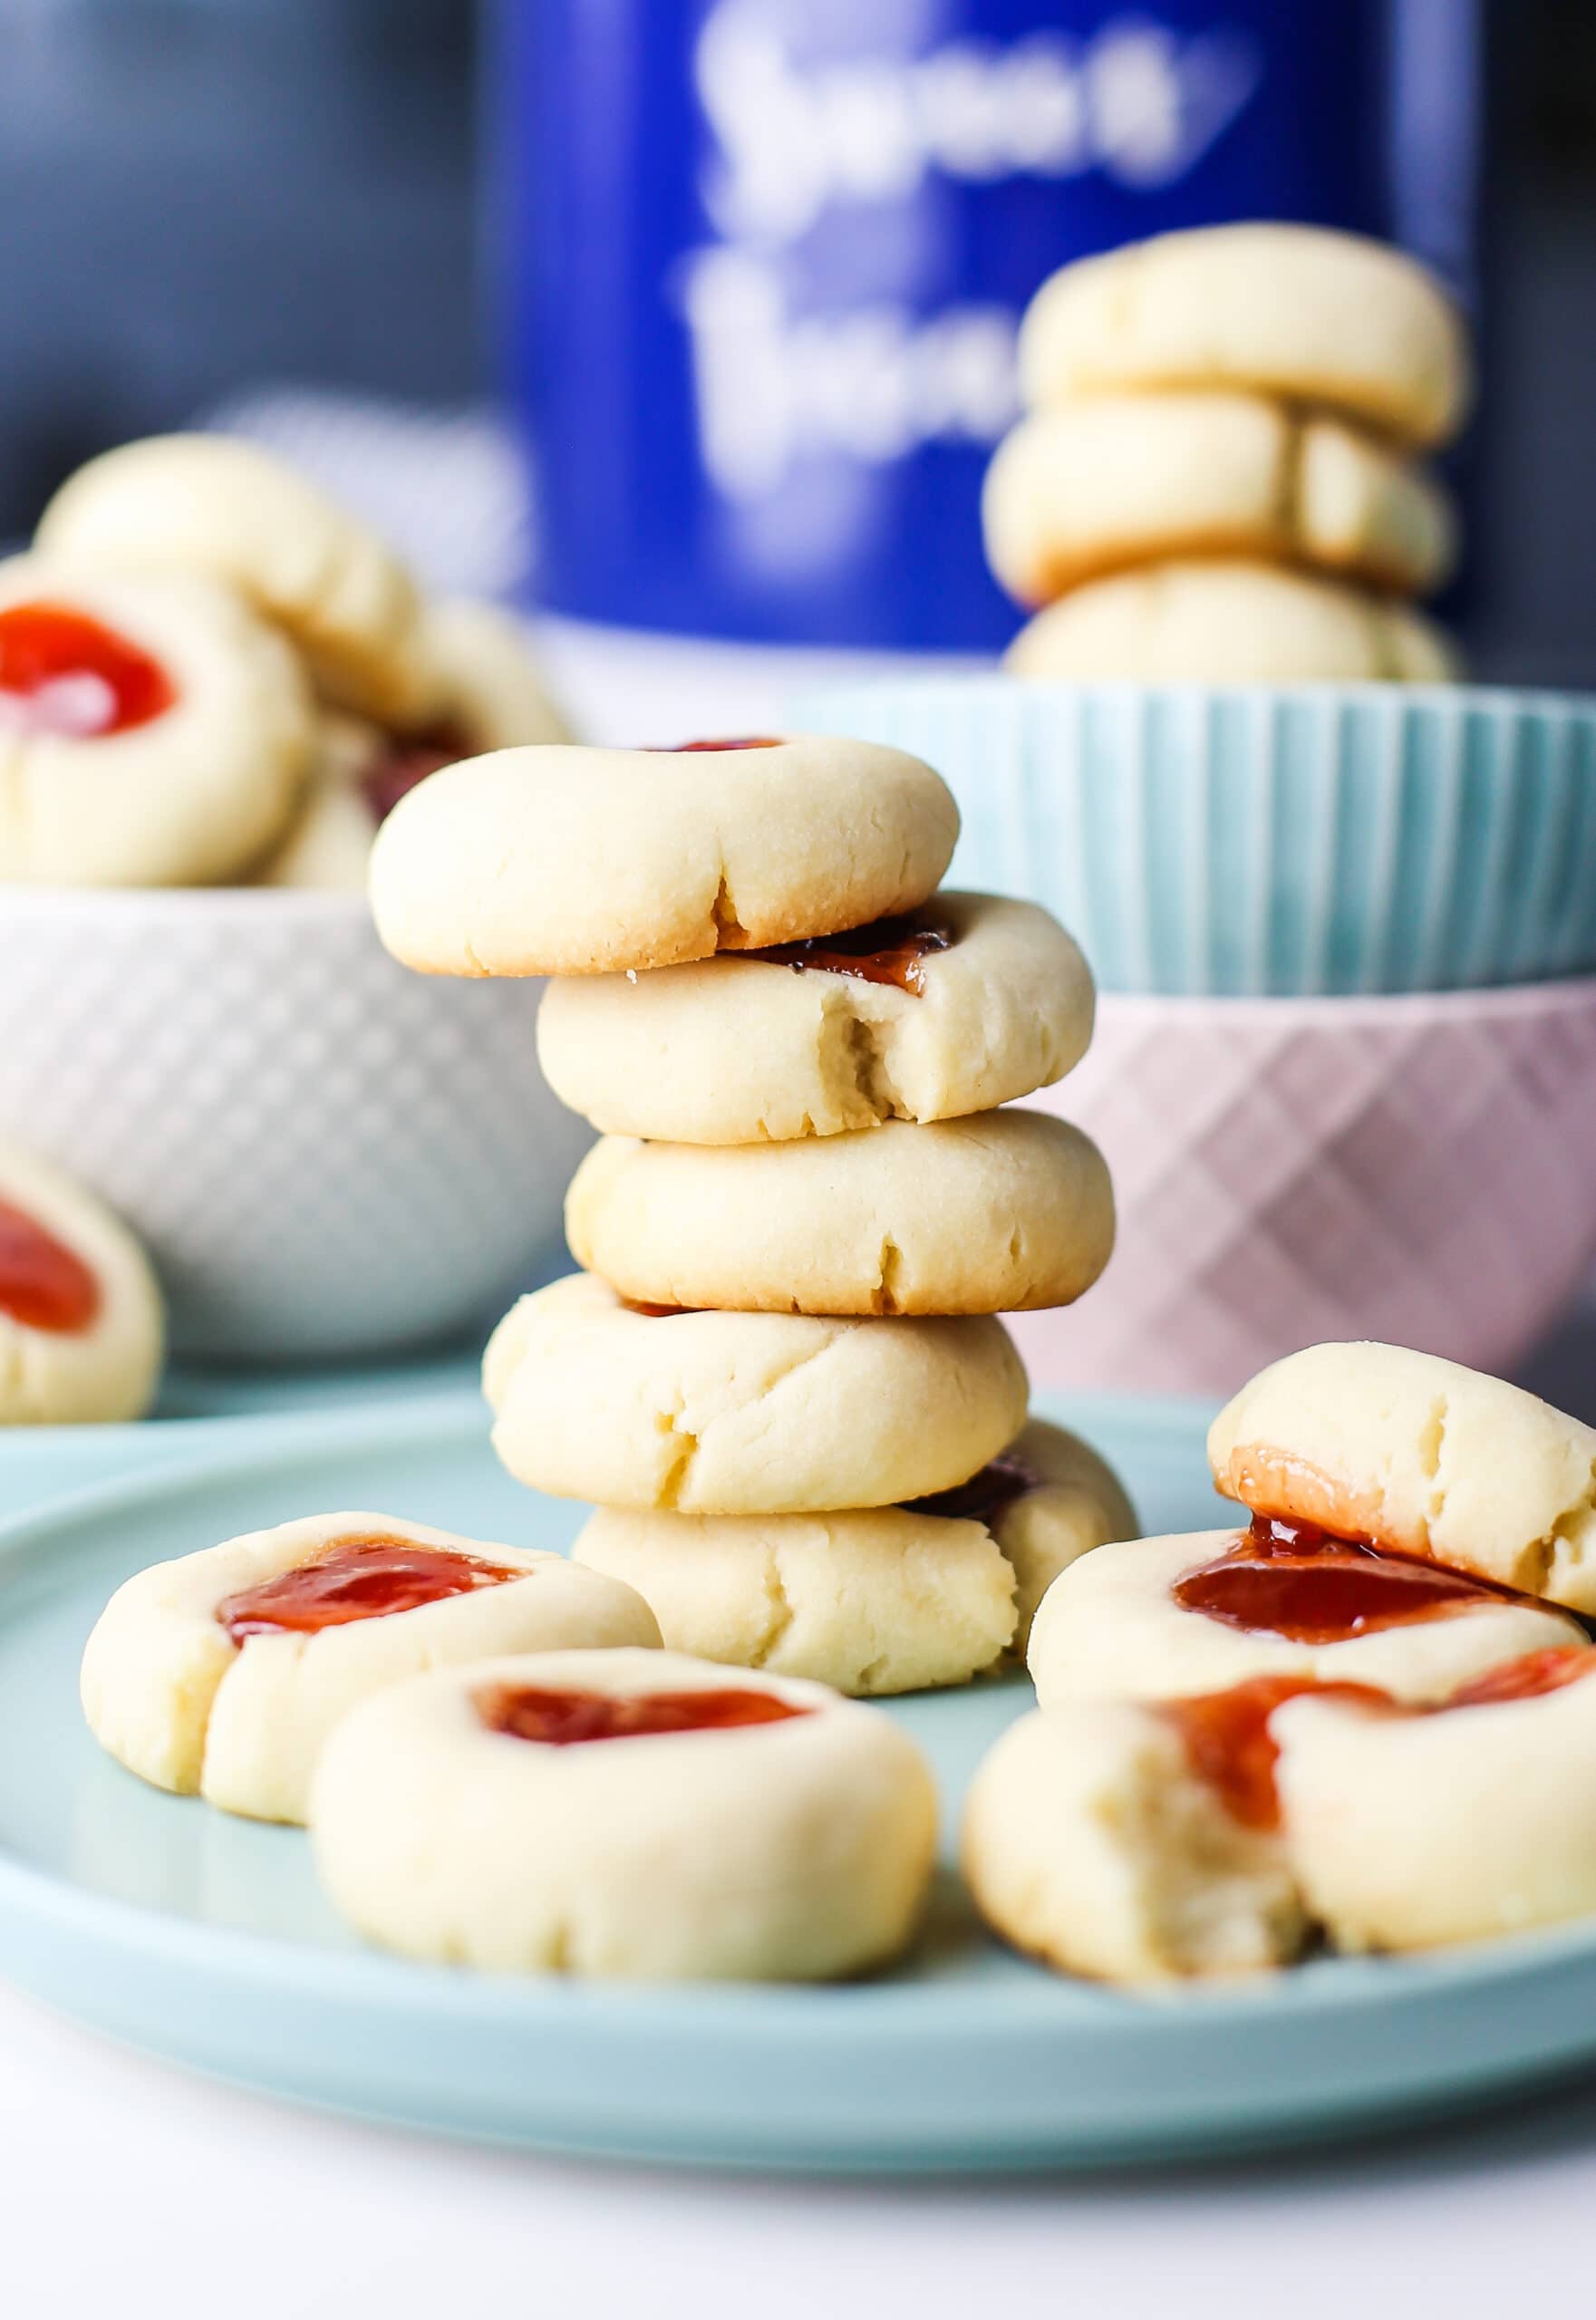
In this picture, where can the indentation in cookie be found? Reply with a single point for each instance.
(356, 1579)
(65, 673)
(891, 951)
(1300, 1581)
(44, 1284)
(1229, 1742)
(562, 1719)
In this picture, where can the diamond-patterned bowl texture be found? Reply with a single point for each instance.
(323, 1154)
(1268, 839)
(1415, 1169)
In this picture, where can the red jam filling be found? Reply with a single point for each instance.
(1228, 1740)
(1295, 1580)
(1528, 1678)
(892, 950)
(357, 1579)
(44, 1284)
(694, 748)
(1228, 1744)
(983, 1497)
(407, 759)
(561, 1719)
(62, 673)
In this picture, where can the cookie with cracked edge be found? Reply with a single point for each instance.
(1421, 1456)
(1003, 1212)
(711, 1413)
(928, 1593)
(735, 1050)
(567, 861)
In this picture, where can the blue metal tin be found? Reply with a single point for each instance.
(760, 262)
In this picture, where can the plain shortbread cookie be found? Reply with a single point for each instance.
(1298, 311)
(872, 1603)
(1007, 1211)
(793, 1850)
(1094, 485)
(1229, 623)
(571, 861)
(888, 1601)
(744, 1051)
(743, 1413)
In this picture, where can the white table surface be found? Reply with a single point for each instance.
(128, 2189)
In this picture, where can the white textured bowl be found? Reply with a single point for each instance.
(1288, 1170)
(323, 1154)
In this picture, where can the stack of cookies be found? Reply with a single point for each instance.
(1215, 478)
(780, 1375)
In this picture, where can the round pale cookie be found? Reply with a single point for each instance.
(216, 505)
(153, 732)
(1229, 623)
(1047, 1499)
(1423, 1457)
(492, 698)
(888, 1600)
(1095, 486)
(1090, 1841)
(743, 1413)
(1293, 310)
(223, 1673)
(1002, 1213)
(794, 1848)
(1114, 1628)
(747, 1051)
(899, 1600)
(1407, 1832)
(569, 861)
(82, 1322)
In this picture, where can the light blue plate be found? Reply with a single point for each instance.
(206, 1940)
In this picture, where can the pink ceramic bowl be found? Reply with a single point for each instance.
(1419, 1168)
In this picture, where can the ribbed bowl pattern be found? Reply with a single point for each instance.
(323, 1154)
(1286, 1171)
(1268, 840)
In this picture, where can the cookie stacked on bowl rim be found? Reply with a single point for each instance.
(780, 1375)
(1216, 475)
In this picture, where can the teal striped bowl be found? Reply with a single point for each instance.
(1271, 840)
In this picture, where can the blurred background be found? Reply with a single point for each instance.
(411, 237)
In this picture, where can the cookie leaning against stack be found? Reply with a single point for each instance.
(1214, 478)
(781, 1377)
(1369, 1710)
